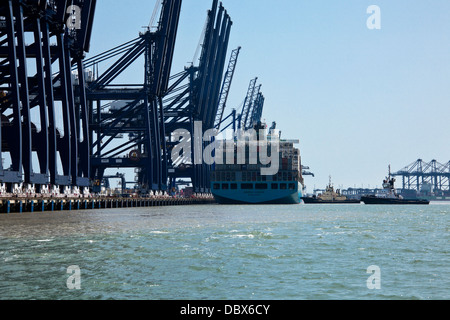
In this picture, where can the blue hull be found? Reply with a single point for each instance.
(257, 197)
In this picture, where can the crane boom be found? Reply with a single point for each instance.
(226, 87)
(248, 121)
(258, 105)
(247, 103)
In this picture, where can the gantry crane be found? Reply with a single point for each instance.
(55, 35)
(135, 110)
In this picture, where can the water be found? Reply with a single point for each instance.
(228, 252)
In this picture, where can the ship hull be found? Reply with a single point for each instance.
(257, 197)
(308, 200)
(378, 200)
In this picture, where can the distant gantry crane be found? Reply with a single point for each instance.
(425, 176)
(251, 111)
(245, 118)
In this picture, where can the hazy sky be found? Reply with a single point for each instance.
(358, 99)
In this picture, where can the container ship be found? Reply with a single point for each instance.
(246, 184)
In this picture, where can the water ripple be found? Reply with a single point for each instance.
(228, 252)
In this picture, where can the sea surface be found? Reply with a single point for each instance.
(219, 252)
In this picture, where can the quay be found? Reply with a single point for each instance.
(19, 205)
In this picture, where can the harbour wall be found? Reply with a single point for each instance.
(19, 205)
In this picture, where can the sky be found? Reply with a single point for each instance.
(357, 99)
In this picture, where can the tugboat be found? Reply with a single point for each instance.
(329, 196)
(389, 196)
